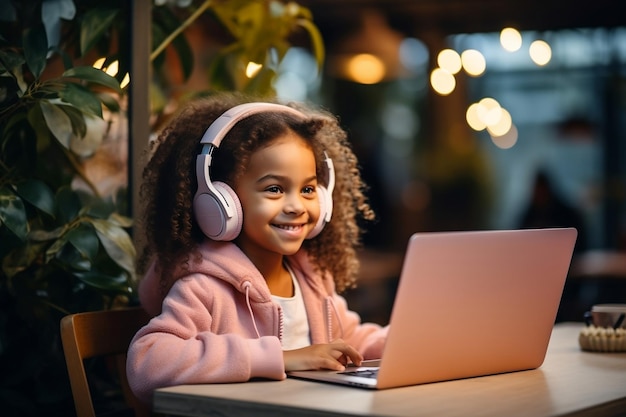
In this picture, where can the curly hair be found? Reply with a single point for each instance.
(170, 232)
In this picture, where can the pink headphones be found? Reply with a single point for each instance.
(217, 208)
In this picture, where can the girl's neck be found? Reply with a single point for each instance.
(276, 275)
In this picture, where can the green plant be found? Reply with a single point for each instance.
(257, 32)
(64, 245)
(63, 248)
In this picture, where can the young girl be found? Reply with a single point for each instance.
(251, 226)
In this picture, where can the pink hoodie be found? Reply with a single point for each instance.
(218, 323)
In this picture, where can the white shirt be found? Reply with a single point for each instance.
(296, 327)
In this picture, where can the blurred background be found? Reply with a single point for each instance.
(481, 115)
(406, 78)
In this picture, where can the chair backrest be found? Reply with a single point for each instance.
(105, 333)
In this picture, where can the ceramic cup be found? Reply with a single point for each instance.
(607, 315)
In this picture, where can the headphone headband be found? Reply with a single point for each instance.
(222, 125)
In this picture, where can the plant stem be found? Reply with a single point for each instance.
(55, 307)
(180, 29)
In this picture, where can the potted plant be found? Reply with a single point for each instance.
(65, 245)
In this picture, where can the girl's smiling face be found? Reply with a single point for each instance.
(278, 198)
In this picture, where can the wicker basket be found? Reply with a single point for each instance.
(602, 339)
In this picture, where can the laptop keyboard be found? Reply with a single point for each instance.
(363, 373)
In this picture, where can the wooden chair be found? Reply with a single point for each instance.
(107, 334)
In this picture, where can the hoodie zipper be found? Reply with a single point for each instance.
(331, 309)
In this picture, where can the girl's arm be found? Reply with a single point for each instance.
(179, 347)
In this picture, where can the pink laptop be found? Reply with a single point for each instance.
(468, 304)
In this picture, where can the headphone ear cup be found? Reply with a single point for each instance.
(325, 206)
(211, 214)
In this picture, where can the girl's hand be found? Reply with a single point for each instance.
(334, 356)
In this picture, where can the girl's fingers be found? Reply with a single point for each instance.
(346, 353)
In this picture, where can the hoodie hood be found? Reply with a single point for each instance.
(225, 261)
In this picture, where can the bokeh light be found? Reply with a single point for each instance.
(442, 81)
(449, 60)
(502, 126)
(365, 69)
(253, 69)
(506, 141)
(489, 114)
(510, 39)
(489, 111)
(540, 52)
(472, 118)
(473, 62)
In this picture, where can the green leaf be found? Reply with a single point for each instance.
(64, 56)
(158, 36)
(35, 48)
(57, 121)
(120, 220)
(185, 54)
(68, 204)
(77, 119)
(10, 60)
(117, 243)
(21, 259)
(94, 206)
(67, 255)
(95, 24)
(118, 283)
(56, 246)
(109, 101)
(93, 75)
(220, 74)
(82, 98)
(38, 194)
(85, 240)
(42, 134)
(165, 22)
(13, 213)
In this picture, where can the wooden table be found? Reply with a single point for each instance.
(569, 383)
